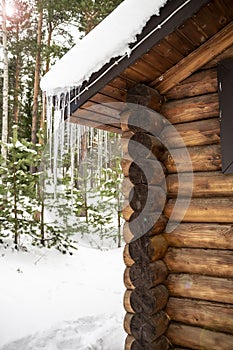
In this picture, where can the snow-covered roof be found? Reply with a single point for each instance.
(111, 38)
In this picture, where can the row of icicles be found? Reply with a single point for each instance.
(74, 147)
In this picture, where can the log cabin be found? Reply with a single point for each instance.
(179, 283)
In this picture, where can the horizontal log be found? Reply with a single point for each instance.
(125, 138)
(219, 42)
(198, 338)
(199, 83)
(201, 235)
(130, 343)
(161, 343)
(204, 210)
(203, 158)
(198, 133)
(141, 119)
(205, 184)
(189, 260)
(142, 145)
(127, 210)
(148, 248)
(151, 224)
(142, 197)
(146, 301)
(146, 171)
(146, 275)
(127, 280)
(126, 162)
(127, 301)
(127, 257)
(215, 316)
(129, 189)
(192, 108)
(146, 329)
(200, 287)
(143, 95)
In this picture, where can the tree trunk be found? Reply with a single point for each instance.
(16, 90)
(36, 79)
(5, 84)
(43, 112)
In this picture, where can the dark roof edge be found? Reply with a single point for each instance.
(170, 16)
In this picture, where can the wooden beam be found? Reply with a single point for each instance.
(191, 109)
(143, 95)
(219, 210)
(198, 338)
(195, 60)
(193, 260)
(201, 235)
(215, 316)
(203, 158)
(200, 83)
(162, 343)
(202, 287)
(205, 184)
(146, 301)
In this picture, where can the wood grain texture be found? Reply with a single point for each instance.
(199, 83)
(146, 301)
(148, 248)
(201, 287)
(198, 338)
(145, 171)
(148, 275)
(143, 95)
(219, 210)
(146, 329)
(201, 235)
(161, 343)
(202, 158)
(195, 60)
(191, 109)
(205, 184)
(138, 226)
(215, 316)
(198, 133)
(189, 260)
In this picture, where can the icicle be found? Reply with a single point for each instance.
(77, 144)
(106, 149)
(72, 164)
(99, 154)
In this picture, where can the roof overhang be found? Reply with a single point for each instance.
(172, 15)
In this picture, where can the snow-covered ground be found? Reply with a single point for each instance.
(61, 302)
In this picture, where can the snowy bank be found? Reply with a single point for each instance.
(99, 333)
(44, 289)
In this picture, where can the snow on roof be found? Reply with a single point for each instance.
(111, 38)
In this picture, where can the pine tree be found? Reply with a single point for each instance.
(20, 202)
(93, 12)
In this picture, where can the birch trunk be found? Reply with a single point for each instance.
(5, 84)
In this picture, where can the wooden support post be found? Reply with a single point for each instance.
(145, 197)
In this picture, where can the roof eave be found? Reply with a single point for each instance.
(172, 15)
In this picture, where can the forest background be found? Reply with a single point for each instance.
(33, 35)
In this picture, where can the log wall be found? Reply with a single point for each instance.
(146, 296)
(179, 284)
(200, 250)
